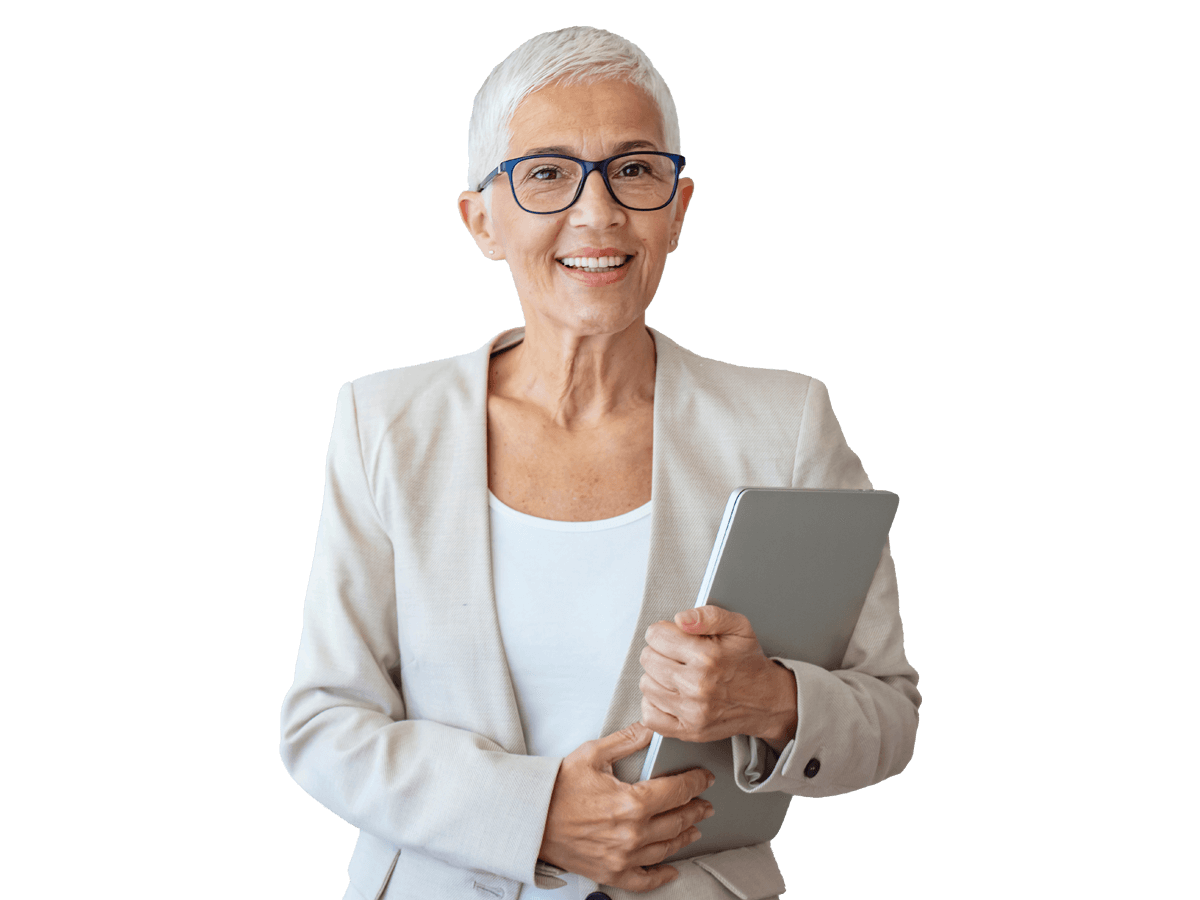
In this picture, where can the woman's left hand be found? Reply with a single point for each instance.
(706, 679)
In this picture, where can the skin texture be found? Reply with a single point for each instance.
(562, 310)
(571, 409)
(570, 437)
(706, 678)
(613, 832)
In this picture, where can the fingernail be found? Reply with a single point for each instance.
(708, 812)
(691, 617)
(712, 779)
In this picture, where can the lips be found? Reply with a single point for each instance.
(604, 264)
(594, 263)
(595, 266)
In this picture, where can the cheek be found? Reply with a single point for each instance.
(528, 240)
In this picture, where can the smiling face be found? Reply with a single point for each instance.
(591, 269)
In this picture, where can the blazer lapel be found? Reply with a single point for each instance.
(682, 529)
(466, 522)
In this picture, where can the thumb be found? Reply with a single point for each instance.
(714, 620)
(619, 744)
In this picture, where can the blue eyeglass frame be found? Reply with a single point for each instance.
(589, 166)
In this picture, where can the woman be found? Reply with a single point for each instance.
(479, 672)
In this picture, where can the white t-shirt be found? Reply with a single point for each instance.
(568, 596)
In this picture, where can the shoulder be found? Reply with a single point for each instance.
(396, 391)
(774, 387)
(442, 392)
(770, 407)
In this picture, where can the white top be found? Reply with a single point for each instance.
(568, 596)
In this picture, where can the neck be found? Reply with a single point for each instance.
(577, 380)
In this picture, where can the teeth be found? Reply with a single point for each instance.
(594, 263)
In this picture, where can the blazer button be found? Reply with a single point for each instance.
(813, 767)
(598, 895)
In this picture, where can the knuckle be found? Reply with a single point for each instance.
(650, 714)
(631, 805)
(681, 821)
(627, 835)
(630, 732)
(588, 747)
(689, 712)
(703, 707)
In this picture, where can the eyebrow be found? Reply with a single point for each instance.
(623, 147)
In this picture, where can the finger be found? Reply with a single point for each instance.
(672, 791)
(660, 721)
(714, 620)
(640, 880)
(669, 825)
(667, 674)
(665, 670)
(657, 852)
(674, 644)
(660, 850)
(664, 709)
(630, 739)
(656, 691)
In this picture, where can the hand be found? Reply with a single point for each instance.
(706, 678)
(613, 832)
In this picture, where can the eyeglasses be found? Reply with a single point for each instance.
(544, 184)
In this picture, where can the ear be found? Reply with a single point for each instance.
(473, 211)
(683, 196)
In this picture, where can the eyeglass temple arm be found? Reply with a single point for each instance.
(492, 174)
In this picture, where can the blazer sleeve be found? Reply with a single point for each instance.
(345, 738)
(857, 725)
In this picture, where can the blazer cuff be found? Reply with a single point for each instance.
(756, 766)
(545, 876)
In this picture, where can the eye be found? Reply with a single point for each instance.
(545, 172)
(632, 170)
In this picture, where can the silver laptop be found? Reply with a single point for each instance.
(797, 563)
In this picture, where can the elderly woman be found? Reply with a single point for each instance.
(493, 622)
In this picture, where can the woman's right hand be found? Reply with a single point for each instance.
(612, 832)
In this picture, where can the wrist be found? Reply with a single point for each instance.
(779, 726)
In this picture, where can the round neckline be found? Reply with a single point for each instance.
(559, 525)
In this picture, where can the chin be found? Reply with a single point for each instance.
(593, 322)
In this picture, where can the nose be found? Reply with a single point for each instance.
(596, 206)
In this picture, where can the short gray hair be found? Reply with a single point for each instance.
(577, 55)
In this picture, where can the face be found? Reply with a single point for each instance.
(591, 122)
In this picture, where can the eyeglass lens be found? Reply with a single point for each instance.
(549, 183)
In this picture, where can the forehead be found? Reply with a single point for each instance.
(588, 120)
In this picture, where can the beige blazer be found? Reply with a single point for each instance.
(402, 717)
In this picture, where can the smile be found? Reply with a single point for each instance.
(594, 263)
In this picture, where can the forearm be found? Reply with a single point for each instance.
(456, 795)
